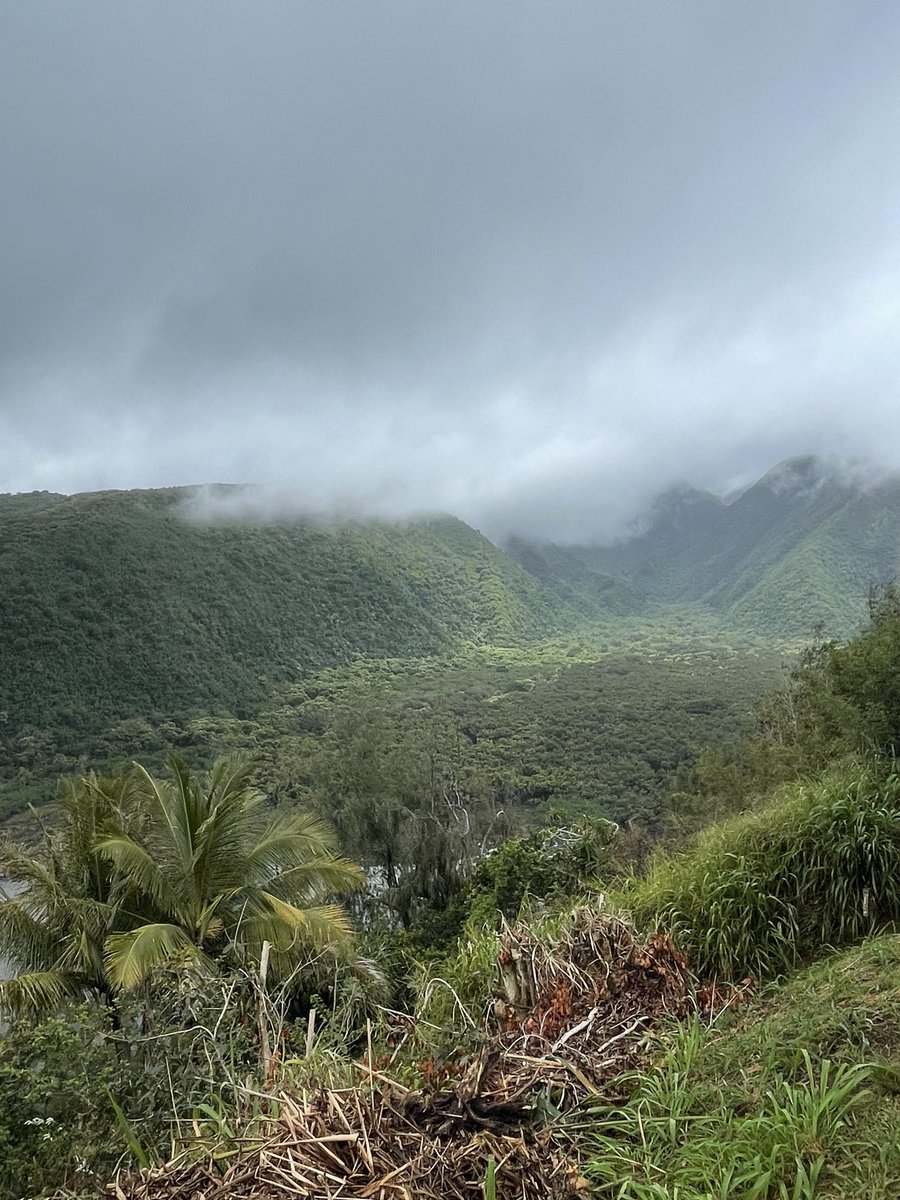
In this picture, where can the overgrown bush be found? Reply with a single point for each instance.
(57, 1125)
(549, 866)
(80, 1093)
(818, 867)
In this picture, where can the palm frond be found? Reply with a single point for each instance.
(315, 926)
(83, 954)
(168, 821)
(230, 823)
(291, 842)
(230, 782)
(38, 991)
(146, 873)
(219, 849)
(187, 802)
(141, 869)
(19, 866)
(131, 957)
(309, 881)
(25, 940)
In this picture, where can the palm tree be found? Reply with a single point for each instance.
(58, 907)
(211, 879)
(143, 873)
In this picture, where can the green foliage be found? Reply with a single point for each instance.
(133, 629)
(574, 724)
(451, 994)
(220, 878)
(844, 1009)
(837, 700)
(121, 611)
(143, 873)
(501, 883)
(400, 681)
(863, 677)
(56, 1122)
(552, 865)
(407, 801)
(81, 1094)
(818, 867)
(677, 1137)
(65, 902)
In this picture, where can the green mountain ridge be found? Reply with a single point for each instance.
(795, 551)
(125, 610)
(112, 603)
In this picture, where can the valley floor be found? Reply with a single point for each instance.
(590, 722)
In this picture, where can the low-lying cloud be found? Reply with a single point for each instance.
(526, 263)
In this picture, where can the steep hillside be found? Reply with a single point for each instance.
(115, 605)
(827, 573)
(797, 550)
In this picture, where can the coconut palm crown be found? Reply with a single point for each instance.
(186, 871)
(58, 907)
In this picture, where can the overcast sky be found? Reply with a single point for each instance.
(523, 261)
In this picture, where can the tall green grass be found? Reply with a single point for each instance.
(678, 1138)
(818, 867)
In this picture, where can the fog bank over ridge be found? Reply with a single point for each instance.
(567, 517)
(525, 263)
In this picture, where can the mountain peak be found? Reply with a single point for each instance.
(683, 495)
(801, 476)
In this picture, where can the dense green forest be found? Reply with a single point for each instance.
(578, 723)
(129, 626)
(118, 607)
(119, 604)
(130, 619)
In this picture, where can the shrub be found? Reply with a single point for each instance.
(818, 867)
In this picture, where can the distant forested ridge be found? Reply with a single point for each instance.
(796, 551)
(115, 604)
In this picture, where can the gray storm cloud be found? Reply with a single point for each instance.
(528, 262)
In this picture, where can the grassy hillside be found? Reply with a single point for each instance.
(796, 1094)
(817, 865)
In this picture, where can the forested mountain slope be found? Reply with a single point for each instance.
(115, 604)
(797, 550)
(123, 613)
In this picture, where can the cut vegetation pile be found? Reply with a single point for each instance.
(575, 1011)
(568, 1016)
(358, 1144)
